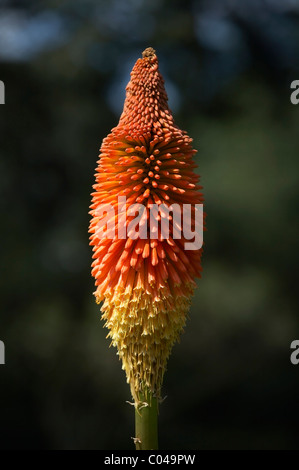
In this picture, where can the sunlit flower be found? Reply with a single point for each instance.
(145, 284)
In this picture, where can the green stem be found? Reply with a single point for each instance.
(146, 423)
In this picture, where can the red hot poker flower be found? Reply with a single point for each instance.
(145, 284)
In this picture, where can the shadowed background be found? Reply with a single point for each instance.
(228, 66)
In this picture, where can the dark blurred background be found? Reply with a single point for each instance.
(228, 66)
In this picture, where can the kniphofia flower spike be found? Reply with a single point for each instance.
(145, 284)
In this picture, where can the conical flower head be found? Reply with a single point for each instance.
(144, 277)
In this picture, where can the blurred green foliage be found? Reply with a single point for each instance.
(228, 69)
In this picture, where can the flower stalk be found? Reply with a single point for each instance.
(146, 422)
